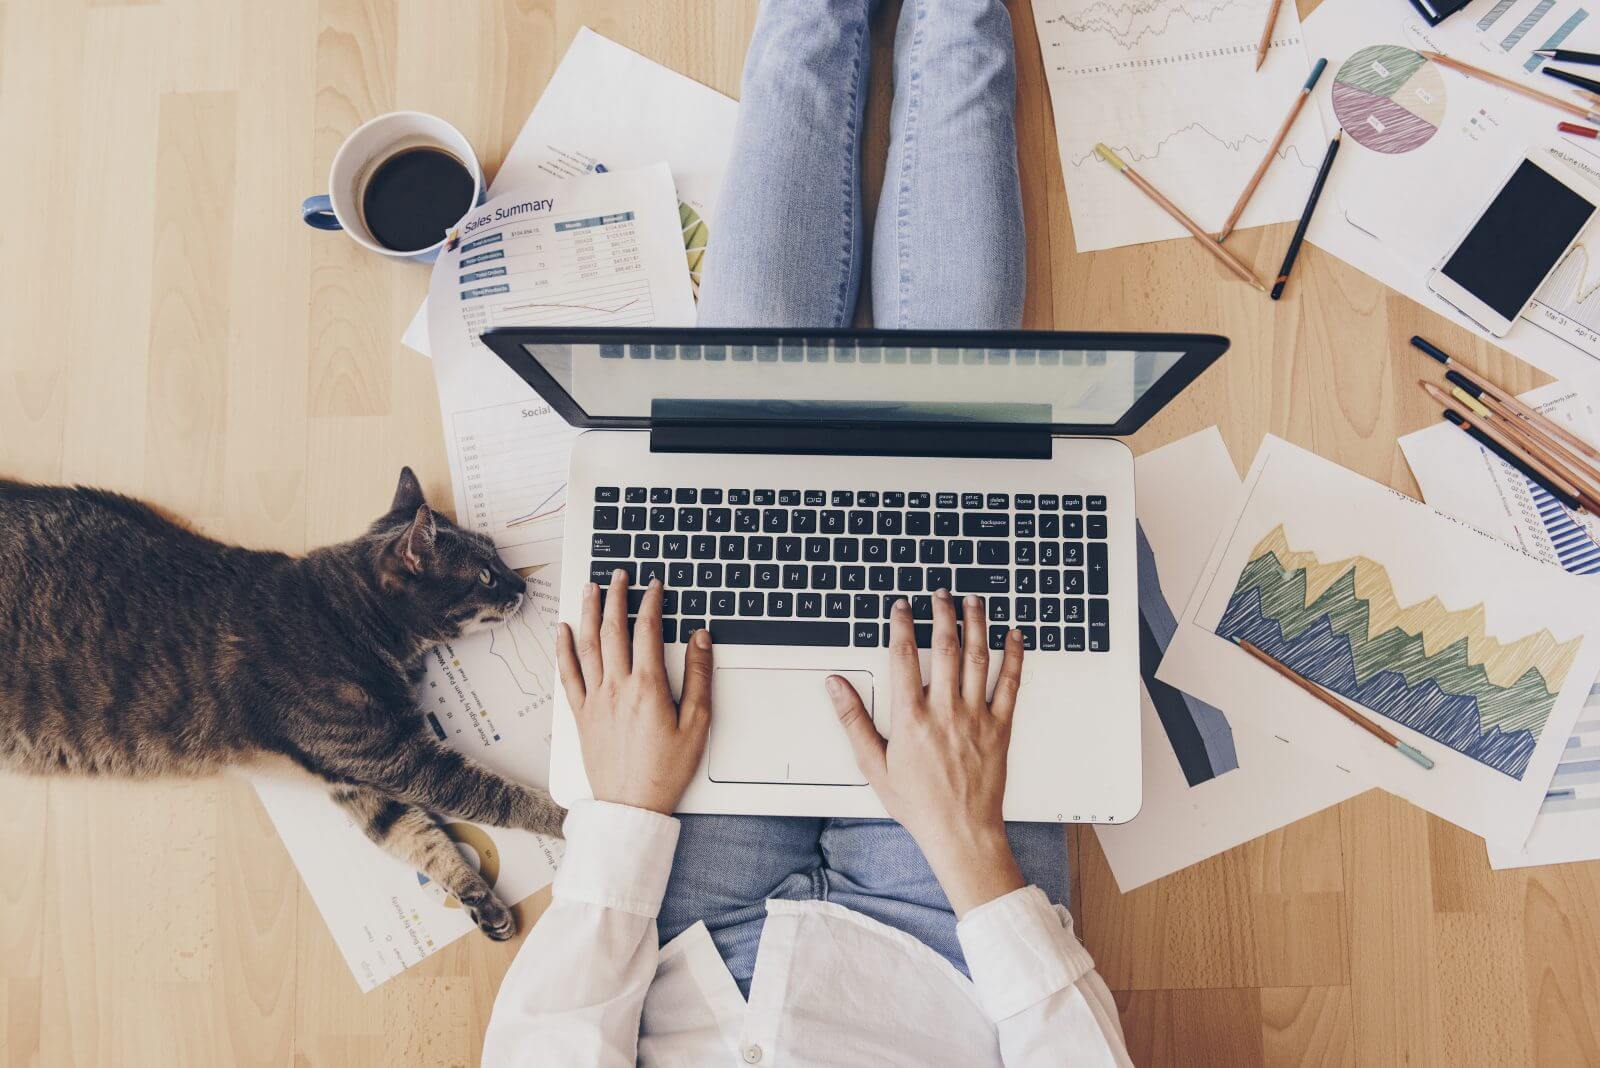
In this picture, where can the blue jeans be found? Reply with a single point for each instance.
(947, 252)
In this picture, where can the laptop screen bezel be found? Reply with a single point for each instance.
(1199, 351)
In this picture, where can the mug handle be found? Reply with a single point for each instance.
(317, 213)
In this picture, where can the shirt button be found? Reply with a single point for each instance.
(752, 1054)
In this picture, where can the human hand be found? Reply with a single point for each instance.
(639, 747)
(942, 774)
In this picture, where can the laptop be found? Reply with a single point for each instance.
(788, 486)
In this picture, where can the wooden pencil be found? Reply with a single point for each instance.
(1228, 259)
(1510, 86)
(1387, 737)
(1548, 451)
(1272, 149)
(1266, 33)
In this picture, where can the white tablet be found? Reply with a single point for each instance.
(1510, 249)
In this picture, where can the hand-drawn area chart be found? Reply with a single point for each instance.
(1172, 86)
(1432, 669)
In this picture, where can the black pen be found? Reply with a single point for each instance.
(1305, 217)
(1561, 55)
(1573, 79)
(1567, 499)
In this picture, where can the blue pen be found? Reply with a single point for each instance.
(1272, 150)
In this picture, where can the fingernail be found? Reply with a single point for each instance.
(655, 584)
(902, 605)
(970, 600)
(1014, 635)
(618, 574)
(702, 638)
(592, 590)
(943, 595)
(833, 684)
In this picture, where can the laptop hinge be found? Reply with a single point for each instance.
(1023, 443)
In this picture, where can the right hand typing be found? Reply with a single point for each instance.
(943, 774)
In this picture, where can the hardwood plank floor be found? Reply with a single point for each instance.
(171, 330)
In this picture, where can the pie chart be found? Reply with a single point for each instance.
(1389, 99)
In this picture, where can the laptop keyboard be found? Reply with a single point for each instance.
(811, 567)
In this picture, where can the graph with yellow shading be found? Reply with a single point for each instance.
(1429, 667)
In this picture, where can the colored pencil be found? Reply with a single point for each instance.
(1574, 128)
(1562, 55)
(1266, 33)
(1305, 216)
(1580, 450)
(1499, 439)
(1587, 84)
(1272, 150)
(1228, 259)
(1552, 453)
(1378, 732)
(1515, 87)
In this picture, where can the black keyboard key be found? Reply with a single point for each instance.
(789, 549)
(1097, 567)
(661, 518)
(1072, 610)
(693, 602)
(636, 495)
(880, 578)
(794, 576)
(633, 519)
(1023, 502)
(972, 500)
(610, 546)
(902, 551)
(865, 606)
(647, 546)
(780, 604)
(763, 496)
(703, 547)
(945, 500)
(1072, 526)
(1049, 610)
(816, 549)
(853, 578)
(961, 552)
(1050, 639)
(730, 547)
(860, 522)
(751, 604)
(738, 496)
(842, 498)
(708, 575)
(867, 498)
(1099, 625)
(997, 500)
(804, 521)
(606, 517)
(775, 521)
(652, 569)
(997, 637)
(1027, 609)
(808, 605)
(909, 579)
(946, 524)
(1049, 581)
(994, 552)
(874, 550)
(1030, 638)
(768, 576)
(1096, 502)
(711, 496)
(837, 605)
(1025, 525)
(889, 523)
(930, 551)
(669, 631)
(919, 500)
(815, 498)
(680, 575)
(922, 607)
(1072, 581)
(824, 577)
(685, 495)
(999, 609)
(746, 520)
(940, 578)
(919, 524)
(1049, 502)
(719, 520)
(809, 632)
(894, 499)
(1097, 526)
(661, 495)
(982, 580)
(724, 603)
(866, 634)
(737, 576)
(986, 525)
(759, 548)
(1027, 554)
(789, 498)
(1049, 526)
(1075, 640)
(1049, 554)
(691, 519)
(833, 521)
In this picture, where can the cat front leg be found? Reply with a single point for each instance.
(416, 838)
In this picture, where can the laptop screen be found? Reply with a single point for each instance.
(858, 376)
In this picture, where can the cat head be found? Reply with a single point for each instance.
(447, 581)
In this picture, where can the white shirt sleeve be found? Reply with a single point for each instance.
(575, 991)
(1038, 984)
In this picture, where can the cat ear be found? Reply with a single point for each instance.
(408, 493)
(417, 540)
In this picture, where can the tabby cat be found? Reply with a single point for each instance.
(130, 645)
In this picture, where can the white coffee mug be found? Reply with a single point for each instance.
(372, 144)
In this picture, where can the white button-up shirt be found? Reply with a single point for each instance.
(591, 986)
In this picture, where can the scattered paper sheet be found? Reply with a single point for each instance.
(1427, 147)
(487, 696)
(1479, 656)
(1208, 784)
(1172, 86)
(601, 250)
(610, 108)
(1462, 478)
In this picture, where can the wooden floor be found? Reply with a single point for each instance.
(168, 328)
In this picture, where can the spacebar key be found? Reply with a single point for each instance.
(982, 580)
(779, 632)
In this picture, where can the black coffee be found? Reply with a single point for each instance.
(414, 197)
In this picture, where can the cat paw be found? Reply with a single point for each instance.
(493, 918)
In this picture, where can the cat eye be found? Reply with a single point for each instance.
(486, 577)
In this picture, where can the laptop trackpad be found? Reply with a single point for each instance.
(778, 726)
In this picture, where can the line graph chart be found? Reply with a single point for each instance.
(1171, 84)
(1568, 304)
(514, 472)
